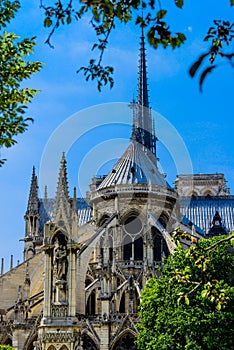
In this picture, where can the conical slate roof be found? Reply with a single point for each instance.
(135, 166)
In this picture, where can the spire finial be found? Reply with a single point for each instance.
(2, 266)
(62, 186)
(32, 215)
(74, 199)
(46, 193)
(143, 98)
(133, 106)
(33, 195)
(61, 202)
(11, 262)
(142, 128)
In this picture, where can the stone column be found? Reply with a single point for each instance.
(72, 282)
(19, 337)
(47, 284)
(105, 331)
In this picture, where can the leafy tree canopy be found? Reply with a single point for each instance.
(191, 305)
(14, 69)
(149, 14)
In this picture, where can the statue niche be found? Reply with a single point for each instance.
(60, 264)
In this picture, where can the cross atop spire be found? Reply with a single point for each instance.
(142, 129)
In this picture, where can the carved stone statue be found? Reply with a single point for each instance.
(60, 261)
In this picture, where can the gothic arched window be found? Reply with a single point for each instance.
(91, 304)
(138, 249)
(64, 347)
(125, 342)
(122, 308)
(157, 246)
(127, 248)
(88, 343)
(160, 246)
(133, 242)
(133, 225)
(110, 239)
(52, 347)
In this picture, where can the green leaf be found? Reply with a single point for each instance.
(69, 19)
(161, 14)
(14, 70)
(204, 293)
(208, 37)
(179, 3)
(47, 22)
(168, 323)
(204, 75)
(193, 69)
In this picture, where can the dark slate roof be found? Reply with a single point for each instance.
(185, 221)
(84, 211)
(197, 211)
(47, 206)
(136, 166)
(201, 210)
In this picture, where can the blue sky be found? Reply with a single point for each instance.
(203, 121)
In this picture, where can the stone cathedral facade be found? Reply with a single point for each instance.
(86, 261)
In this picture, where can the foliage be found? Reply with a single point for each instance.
(6, 347)
(14, 69)
(221, 35)
(191, 305)
(149, 14)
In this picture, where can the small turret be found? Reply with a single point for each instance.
(32, 219)
(217, 228)
(11, 262)
(32, 214)
(2, 266)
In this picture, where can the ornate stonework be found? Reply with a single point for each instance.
(83, 271)
(201, 185)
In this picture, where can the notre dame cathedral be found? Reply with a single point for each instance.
(87, 260)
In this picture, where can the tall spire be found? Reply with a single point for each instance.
(32, 215)
(61, 202)
(33, 195)
(142, 98)
(142, 130)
